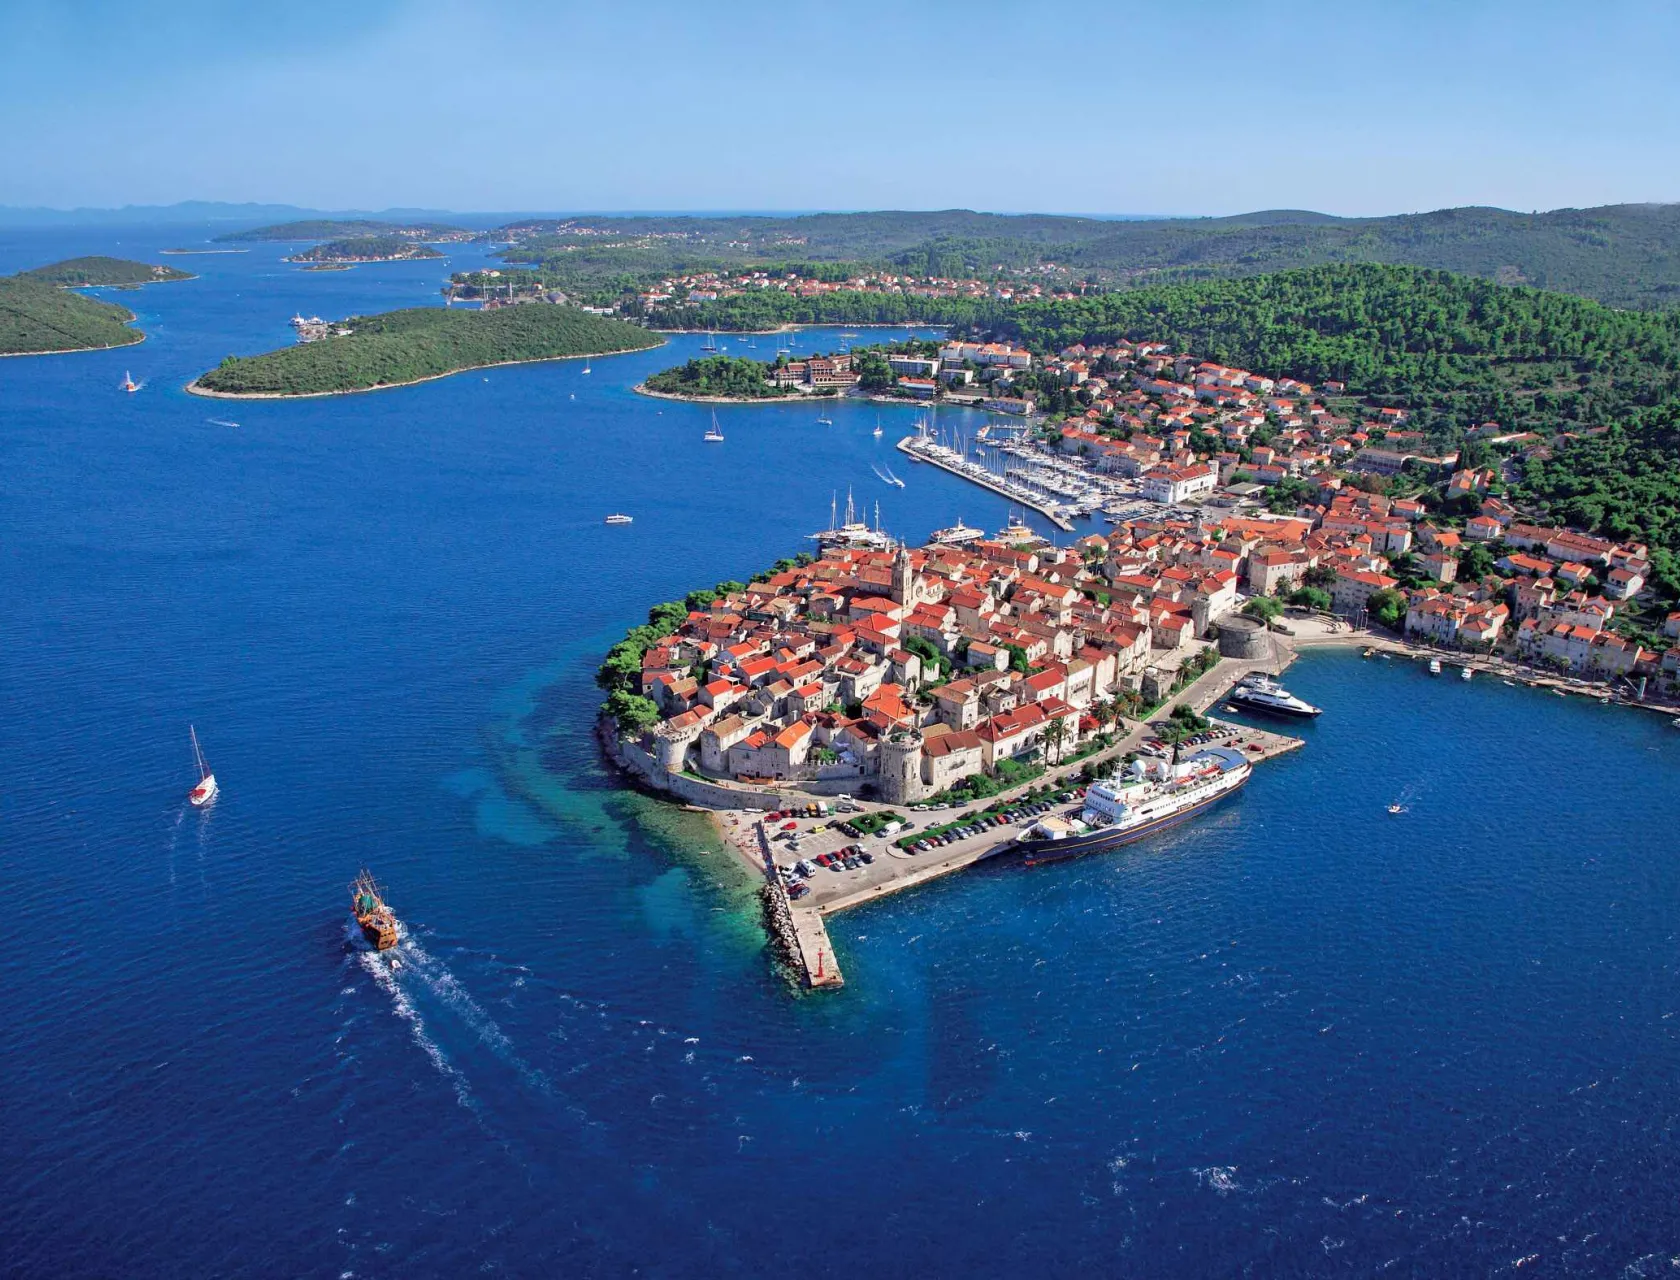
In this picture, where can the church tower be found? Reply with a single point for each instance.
(902, 576)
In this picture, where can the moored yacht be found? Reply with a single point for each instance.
(1259, 692)
(714, 435)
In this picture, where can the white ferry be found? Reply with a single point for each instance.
(1151, 796)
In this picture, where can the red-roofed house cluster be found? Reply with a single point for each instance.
(828, 673)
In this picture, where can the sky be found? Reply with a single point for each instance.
(1188, 107)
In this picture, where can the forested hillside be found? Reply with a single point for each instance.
(1458, 349)
(38, 317)
(1624, 255)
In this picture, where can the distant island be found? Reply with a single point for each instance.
(396, 348)
(366, 249)
(78, 273)
(184, 252)
(42, 314)
(345, 228)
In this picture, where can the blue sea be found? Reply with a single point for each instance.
(1299, 1037)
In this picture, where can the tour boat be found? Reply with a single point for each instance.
(128, 382)
(1434, 666)
(377, 921)
(618, 517)
(205, 791)
(713, 436)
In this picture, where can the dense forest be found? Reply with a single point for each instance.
(1455, 349)
(1623, 483)
(79, 272)
(38, 317)
(341, 228)
(366, 249)
(423, 342)
(718, 376)
(1623, 255)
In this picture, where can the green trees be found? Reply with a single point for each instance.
(424, 342)
(1387, 608)
(78, 272)
(1263, 607)
(1315, 598)
(632, 712)
(1455, 349)
(731, 376)
(36, 317)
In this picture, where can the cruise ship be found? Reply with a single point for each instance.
(1262, 693)
(1150, 796)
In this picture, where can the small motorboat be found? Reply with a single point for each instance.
(1465, 673)
(206, 789)
(1369, 653)
(128, 383)
(1397, 809)
(618, 517)
(1434, 666)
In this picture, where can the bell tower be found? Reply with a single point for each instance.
(902, 576)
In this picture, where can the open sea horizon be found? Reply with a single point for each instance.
(1297, 1035)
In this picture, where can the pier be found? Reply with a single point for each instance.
(894, 870)
(921, 450)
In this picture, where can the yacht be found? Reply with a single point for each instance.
(205, 791)
(713, 435)
(877, 432)
(619, 517)
(958, 534)
(586, 366)
(1262, 693)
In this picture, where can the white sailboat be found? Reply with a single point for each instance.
(205, 791)
(713, 436)
(877, 432)
(586, 364)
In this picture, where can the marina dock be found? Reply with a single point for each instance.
(924, 451)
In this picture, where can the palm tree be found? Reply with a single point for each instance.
(1054, 733)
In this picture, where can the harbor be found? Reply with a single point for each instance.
(762, 840)
(922, 449)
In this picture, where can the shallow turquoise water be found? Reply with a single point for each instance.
(1298, 1036)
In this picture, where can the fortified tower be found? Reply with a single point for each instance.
(901, 768)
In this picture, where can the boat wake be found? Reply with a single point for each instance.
(420, 986)
(220, 422)
(384, 977)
